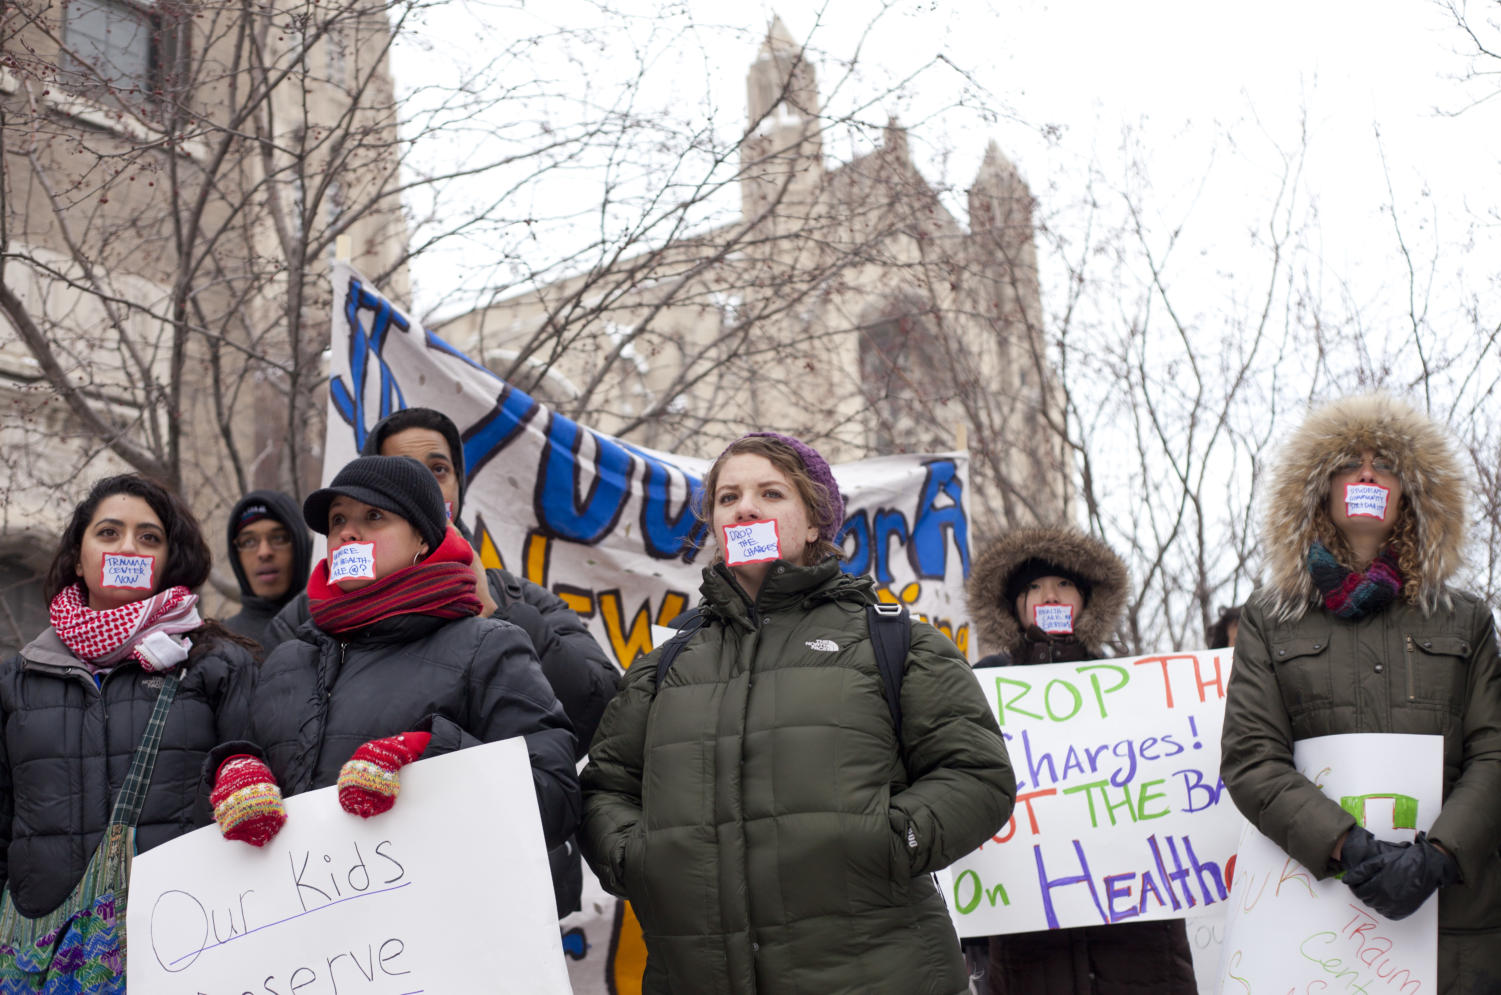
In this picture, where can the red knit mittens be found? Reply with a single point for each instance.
(368, 783)
(247, 800)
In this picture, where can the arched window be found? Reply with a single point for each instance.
(899, 374)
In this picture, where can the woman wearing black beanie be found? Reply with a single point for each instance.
(394, 665)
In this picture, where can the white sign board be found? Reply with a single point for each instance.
(447, 892)
(1120, 813)
(1287, 932)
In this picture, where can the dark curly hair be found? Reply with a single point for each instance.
(188, 558)
(1217, 636)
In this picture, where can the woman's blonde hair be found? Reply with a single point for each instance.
(1403, 544)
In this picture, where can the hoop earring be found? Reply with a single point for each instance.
(415, 557)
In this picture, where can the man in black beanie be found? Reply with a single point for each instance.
(271, 552)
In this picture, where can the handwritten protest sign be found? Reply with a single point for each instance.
(1120, 812)
(352, 561)
(751, 542)
(447, 892)
(1287, 932)
(1366, 501)
(128, 571)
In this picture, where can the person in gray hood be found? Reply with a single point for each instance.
(271, 552)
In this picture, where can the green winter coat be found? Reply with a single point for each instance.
(756, 810)
(1397, 671)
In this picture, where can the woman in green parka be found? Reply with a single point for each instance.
(772, 830)
(1357, 631)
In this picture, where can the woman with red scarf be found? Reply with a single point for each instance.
(74, 704)
(393, 665)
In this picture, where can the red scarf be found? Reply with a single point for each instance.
(101, 639)
(441, 585)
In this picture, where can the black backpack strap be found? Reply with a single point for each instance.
(692, 620)
(891, 637)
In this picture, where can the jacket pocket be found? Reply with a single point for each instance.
(1437, 668)
(900, 854)
(1304, 674)
(634, 879)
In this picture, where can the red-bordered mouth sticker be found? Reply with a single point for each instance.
(1054, 618)
(352, 561)
(127, 572)
(751, 542)
(1366, 501)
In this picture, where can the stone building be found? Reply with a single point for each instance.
(165, 168)
(844, 304)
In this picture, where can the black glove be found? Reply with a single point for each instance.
(1363, 855)
(1406, 880)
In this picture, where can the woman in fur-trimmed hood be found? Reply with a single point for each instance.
(1357, 631)
(1429, 531)
(1006, 568)
(1051, 595)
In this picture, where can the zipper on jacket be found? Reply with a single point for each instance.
(323, 714)
(1411, 649)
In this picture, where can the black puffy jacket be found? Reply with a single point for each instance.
(319, 698)
(66, 744)
(575, 666)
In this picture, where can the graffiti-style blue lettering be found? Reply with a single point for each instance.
(438, 345)
(856, 526)
(939, 511)
(365, 344)
(669, 531)
(888, 523)
(498, 429)
(556, 500)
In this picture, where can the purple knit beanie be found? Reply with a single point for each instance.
(818, 469)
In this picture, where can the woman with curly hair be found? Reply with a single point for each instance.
(75, 704)
(1358, 631)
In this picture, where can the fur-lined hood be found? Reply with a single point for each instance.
(1074, 551)
(1433, 485)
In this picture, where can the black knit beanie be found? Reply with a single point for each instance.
(428, 418)
(1034, 568)
(398, 484)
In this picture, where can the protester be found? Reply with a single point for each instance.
(575, 666)
(1221, 635)
(270, 551)
(580, 673)
(76, 703)
(1357, 631)
(1055, 595)
(771, 822)
(394, 667)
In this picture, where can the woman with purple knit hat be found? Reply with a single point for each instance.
(771, 814)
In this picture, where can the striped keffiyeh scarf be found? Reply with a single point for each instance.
(441, 585)
(142, 629)
(1348, 593)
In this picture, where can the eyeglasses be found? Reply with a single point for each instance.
(278, 540)
(1379, 464)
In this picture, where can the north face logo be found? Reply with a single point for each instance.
(823, 645)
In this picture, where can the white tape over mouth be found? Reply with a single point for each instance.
(751, 542)
(352, 561)
(1054, 618)
(1366, 501)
